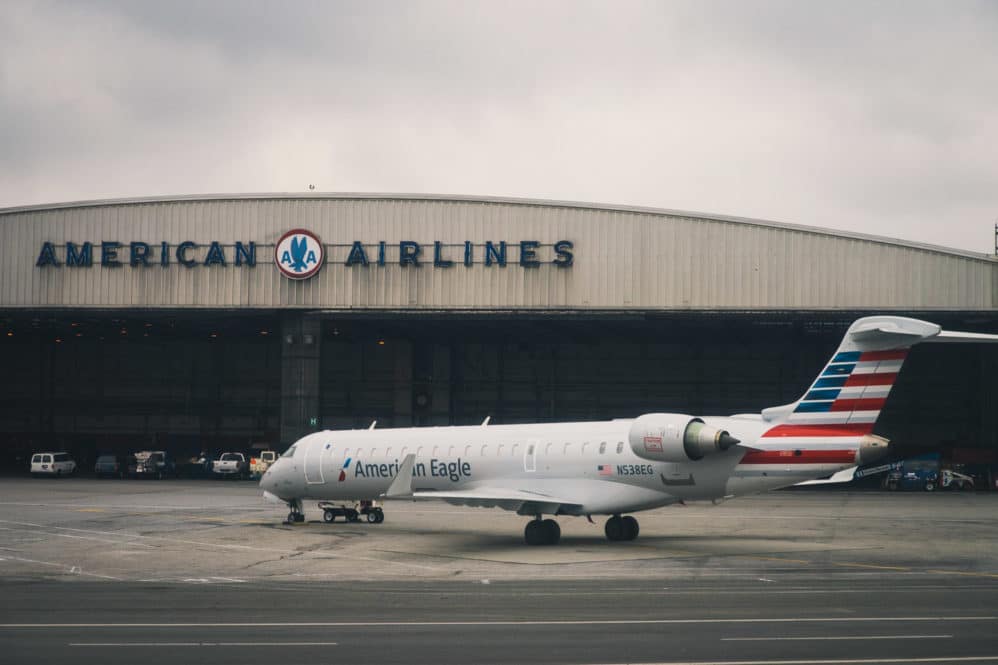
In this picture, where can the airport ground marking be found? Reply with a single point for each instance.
(502, 622)
(836, 661)
(964, 573)
(836, 638)
(68, 569)
(203, 644)
(873, 566)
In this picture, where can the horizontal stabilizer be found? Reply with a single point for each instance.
(955, 337)
(843, 476)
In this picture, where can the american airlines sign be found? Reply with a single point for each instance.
(300, 254)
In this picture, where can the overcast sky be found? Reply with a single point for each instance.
(878, 117)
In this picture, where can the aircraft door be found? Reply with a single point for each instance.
(314, 456)
(530, 455)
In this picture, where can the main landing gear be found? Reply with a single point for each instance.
(542, 532)
(621, 528)
(297, 514)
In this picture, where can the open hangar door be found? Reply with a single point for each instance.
(447, 370)
(127, 381)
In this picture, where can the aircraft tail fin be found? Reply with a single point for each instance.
(851, 390)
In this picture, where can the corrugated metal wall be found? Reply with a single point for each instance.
(624, 260)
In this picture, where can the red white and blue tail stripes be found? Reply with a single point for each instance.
(827, 425)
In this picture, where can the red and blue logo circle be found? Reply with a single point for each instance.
(299, 254)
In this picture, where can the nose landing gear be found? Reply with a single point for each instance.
(297, 514)
(621, 528)
(542, 532)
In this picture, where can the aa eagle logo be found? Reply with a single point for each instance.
(299, 254)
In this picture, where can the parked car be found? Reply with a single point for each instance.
(231, 465)
(111, 466)
(52, 464)
(152, 464)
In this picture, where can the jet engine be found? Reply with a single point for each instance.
(674, 437)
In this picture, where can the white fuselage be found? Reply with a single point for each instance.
(589, 461)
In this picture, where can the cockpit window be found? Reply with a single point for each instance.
(290, 452)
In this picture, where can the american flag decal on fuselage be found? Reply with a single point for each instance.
(827, 425)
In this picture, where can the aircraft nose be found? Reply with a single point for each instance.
(267, 482)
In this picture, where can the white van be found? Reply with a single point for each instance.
(52, 464)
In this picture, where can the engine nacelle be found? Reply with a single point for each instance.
(674, 437)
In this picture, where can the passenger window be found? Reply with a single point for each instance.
(388, 451)
(530, 449)
(435, 449)
(467, 451)
(547, 449)
(37, 459)
(47, 459)
(567, 446)
(485, 450)
(404, 449)
(499, 451)
(512, 451)
(620, 447)
(419, 452)
(602, 447)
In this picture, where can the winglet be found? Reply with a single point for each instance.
(401, 487)
(374, 424)
(485, 423)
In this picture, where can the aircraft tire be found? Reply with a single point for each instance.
(533, 533)
(551, 532)
(631, 527)
(614, 528)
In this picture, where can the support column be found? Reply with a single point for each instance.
(301, 342)
(402, 414)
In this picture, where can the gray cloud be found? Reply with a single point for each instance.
(875, 117)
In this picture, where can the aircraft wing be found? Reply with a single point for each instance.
(525, 502)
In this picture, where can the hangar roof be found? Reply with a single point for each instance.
(379, 196)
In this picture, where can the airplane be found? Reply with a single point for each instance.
(618, 466)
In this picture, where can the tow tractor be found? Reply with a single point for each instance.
(330, 511)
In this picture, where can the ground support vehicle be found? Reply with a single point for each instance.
(261, 462)
(152, 464)
(330, 511)
(951, 480)
(52, 464)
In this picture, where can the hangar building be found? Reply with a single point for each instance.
(204, 323)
